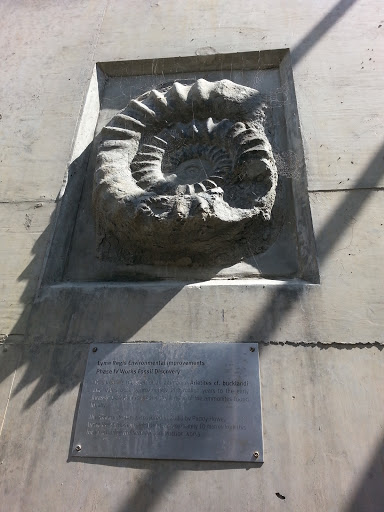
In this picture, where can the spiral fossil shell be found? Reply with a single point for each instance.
(185, 170)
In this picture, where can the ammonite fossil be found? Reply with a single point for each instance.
(184, 174)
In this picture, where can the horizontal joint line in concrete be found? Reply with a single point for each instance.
(305, 344)
(29, 201)
(352, 189)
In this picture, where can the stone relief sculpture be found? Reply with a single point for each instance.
(185, 175)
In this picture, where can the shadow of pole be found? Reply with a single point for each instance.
(75, 181)
(369, 495)
(148, 491)
(325, 242)
(320, 29)
(327, 238)
(349, 208)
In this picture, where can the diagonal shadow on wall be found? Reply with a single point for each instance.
(320, 29)
(64, 311)
(167, 473)
(342, 218)
(71, 204)
(152, 486)
(368, 496)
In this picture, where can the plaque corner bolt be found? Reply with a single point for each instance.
(255, 454)
(78, 447)
(252, 349)
(94, 349)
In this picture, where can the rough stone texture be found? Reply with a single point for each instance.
(324, 448)
(290, 228)
(185, 175)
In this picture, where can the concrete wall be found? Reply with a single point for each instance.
(321, 359)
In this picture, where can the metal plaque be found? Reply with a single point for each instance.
(191, 401)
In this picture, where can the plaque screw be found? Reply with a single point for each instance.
(255, 454)
(94, 349)
(78, 447)
(252, 349)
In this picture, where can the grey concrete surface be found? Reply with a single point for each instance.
(347, 306)
(24, 234)
(322, 404)
(338, 119)
(323, 427)
(47, 61)
(9, 362)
